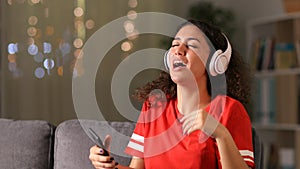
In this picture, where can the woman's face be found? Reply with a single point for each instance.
(188, 55)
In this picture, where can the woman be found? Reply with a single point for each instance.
(197, 117)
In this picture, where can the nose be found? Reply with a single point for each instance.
(180, 50)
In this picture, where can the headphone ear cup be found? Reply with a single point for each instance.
(214, 63)
(220, 60)
(166, 61)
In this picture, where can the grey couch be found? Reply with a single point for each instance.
(35, 144)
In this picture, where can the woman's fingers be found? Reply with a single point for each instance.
(198, 120)
(106, 165)
(189, 122)
(99, 161)
(107, 142)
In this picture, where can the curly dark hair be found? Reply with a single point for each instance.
(238, 74)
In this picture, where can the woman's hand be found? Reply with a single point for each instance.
(99, 160)
(199, 120)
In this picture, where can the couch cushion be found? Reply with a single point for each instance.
(26, 144)
(72, 144)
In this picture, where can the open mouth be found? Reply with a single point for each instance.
(177, 64)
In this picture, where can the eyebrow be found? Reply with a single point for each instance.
(188, 39)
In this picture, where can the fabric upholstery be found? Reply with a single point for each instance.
(26, 144)
(258, 150)
(72, 143)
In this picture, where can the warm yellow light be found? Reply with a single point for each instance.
(78, 43)
(78, 12)
(78, 25)
(32, 20)
(90, 24)
(35, 1)
(132, 3)
(126, 46)
(31, 31)
(129, 26)
(12, 58)
(49, 30)
(132, 14)
(60, 71)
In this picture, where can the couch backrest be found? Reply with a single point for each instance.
(72, 144)
(26, 144)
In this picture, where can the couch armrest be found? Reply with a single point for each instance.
(26, 144)
(72, 143)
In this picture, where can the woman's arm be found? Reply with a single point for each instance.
(229, 154)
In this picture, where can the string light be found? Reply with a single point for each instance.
(129, 27)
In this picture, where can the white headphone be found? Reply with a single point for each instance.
(218, 63)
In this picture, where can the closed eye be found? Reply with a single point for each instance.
(192, 46)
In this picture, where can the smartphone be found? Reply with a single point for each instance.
(98, 141)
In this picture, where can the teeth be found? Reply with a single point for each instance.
(178, 64)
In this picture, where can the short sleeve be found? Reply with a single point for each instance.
(135, 146)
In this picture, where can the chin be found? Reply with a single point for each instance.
(179, 79)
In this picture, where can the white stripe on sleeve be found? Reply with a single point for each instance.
(248, 159)
(137, 138)
(247, 153)
(136, 146)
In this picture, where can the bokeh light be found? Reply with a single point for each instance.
(126, 46)
(132, 3)
(32, 20)
(49, 30)
(60, 71)
(35, 1)
(78, 43)
(128, 26)
(48, 64)
(33, 49)
(47, 47)
(132, 15)
(12, 48)
(78, 12)
(12, 58)
(39, 72)
(78, 25)
(31, 31)
(90, 24)
(65, 48)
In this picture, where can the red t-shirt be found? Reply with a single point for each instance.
(158, 137)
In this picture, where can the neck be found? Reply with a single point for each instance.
(192, 98)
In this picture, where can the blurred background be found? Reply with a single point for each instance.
(41, 40)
